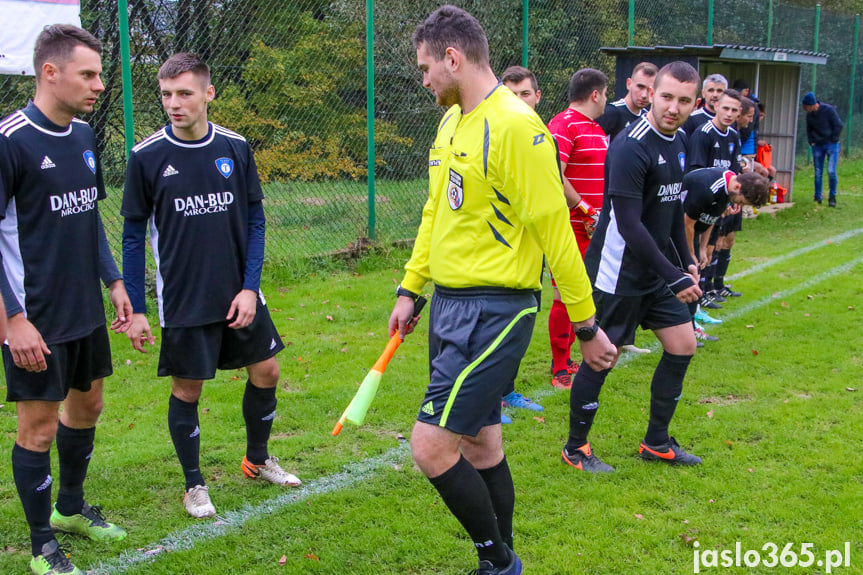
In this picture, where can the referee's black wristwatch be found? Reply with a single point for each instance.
(407, 293)
(587, 333)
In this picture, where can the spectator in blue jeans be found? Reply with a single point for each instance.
(823, 127)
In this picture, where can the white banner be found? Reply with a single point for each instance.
(22, 20)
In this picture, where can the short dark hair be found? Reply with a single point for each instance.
(740, 85)
(584, 82)
(755, 188)
(55, 44)
(746, 104)
(733, 94)
(515, 74)
(649, 69)
(183, 62)
(450, 26)
(680, 71)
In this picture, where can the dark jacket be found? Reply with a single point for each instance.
(823, 126)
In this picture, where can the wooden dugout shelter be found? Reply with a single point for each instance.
(773, 74)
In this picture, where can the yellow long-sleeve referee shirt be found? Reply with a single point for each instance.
(495, 205)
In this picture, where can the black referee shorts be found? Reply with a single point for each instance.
(620, 315)
(477, 337)
(71, 365)
(196, 352)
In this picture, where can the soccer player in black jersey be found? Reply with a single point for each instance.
(54, 254)
(711, 89)
(635, 282)
(621, 113)
(197, 185)
(716, 145)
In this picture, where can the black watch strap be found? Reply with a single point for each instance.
(400, 291)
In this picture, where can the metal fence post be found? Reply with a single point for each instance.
(370, 110)
(125, 64)
(769, 23)
(710, 23)
(631, 22)
(815, 49)
(525, 13)
(853, 80)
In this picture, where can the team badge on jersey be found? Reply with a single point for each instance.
(225, 166)
(90, 160)
(455, 192)
(731, 147)
(681, 157)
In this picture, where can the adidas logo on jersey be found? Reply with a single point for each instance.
(273, 344)
(428, 408)
(661, 160)
(716, 144)
(169, 171)
(47, 163)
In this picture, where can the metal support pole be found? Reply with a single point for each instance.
(370, 110)
(524, 35)
(851, 90)
(126, 72)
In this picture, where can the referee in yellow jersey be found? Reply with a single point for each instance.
(495, 206)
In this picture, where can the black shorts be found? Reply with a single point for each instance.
(71, 365)
(620, 315)
(477, 337)
(196, 352)
(715, 233)
(732, 223)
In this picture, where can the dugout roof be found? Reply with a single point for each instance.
(727, 52)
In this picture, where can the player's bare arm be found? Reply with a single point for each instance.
(122, 305)
(26, 344)
(139, 332)
(402, 318)
(599, 353)
(243, 309)
(572, 197)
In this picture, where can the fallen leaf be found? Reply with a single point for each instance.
(851, 307)
(302, 305)
(687, 540)
(344, 350)
(329, 318)
(846, 389)
(540, 419)
(754, 352)
(710, 414)
(785, 304)
(712, 501)
(131, 426)
(805, 315)
(235, 377)
(750, 326)
(283, 560)
(686, 520)
(128, 362)
(775, 313)
(312, 556)
(750, 470)
(639, 516)
(810, 297)
(205, 410)
(730, 445)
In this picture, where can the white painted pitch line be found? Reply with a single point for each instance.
(232, 520)
(794, 253)
(362, 470)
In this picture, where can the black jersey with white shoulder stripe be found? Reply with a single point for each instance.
(710, 148)
(616, 117)
(196, 196)
(696, 119)
(643, 164)
(705, 196)
(50, 183)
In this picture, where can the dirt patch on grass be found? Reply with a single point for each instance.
(726, 400)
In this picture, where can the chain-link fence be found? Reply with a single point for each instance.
(292, 78)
